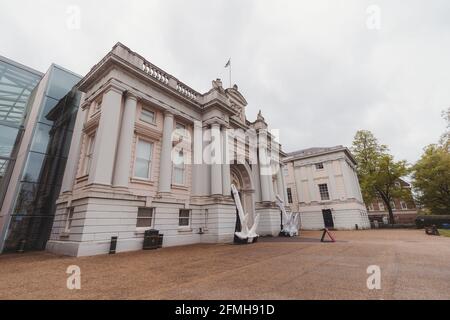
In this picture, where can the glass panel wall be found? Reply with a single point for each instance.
(34, 209)
(17, 90)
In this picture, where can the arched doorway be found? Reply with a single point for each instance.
(241, 178)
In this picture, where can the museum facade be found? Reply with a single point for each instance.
(148, 151)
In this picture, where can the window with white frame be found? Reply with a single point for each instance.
(381, 206)
(145, 218)
(69, 219)
(143, 162)
(319, 166)
(404, 205)
(370, 207)
(184, 218)
(89, 153)
(178, 168)
(147, 115)
(289, 195)
(323, 189)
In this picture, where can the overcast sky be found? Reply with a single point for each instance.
(318, 70)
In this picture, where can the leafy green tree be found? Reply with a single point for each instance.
(378, 172)
(431, 179)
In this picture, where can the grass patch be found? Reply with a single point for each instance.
(444, 232)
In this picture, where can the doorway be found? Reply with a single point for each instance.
(327, 218)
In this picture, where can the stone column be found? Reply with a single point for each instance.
(280, 185)
(123, 161)
(264, 168)
(216, 160)
(283, 182)
(165, 167)
(106, 137)
(197, 158)
(226, 176)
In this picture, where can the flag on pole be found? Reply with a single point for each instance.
(228, 63)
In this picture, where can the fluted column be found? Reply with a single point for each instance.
(123, 161)
(165, 169)
(226, 178)
(216, 160)
(106, 137)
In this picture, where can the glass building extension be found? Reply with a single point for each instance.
(16, 87)
(32, 211)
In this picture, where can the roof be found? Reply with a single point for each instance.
(316, 151)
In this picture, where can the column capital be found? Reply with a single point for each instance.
(131, 95)
(114, 86)
(168, 113)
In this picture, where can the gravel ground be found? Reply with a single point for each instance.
(413, 266)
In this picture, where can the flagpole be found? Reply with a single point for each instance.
(230, 72)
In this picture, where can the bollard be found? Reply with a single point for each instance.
(113, 245)
(21, 246)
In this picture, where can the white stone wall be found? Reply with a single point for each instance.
(339, 173)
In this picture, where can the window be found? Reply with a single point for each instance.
(289, 195)
(393, 205)
(89, 153)
(178, 168)
(370, 207)
(397, 184)
(69, 219)
(147, 115)
(404, 205)
(144, 218)
(319, 166)
(184, 218)
(323, 189)
(381, 206)
(142, 165)
(285, 171)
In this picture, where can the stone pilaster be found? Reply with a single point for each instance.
(106, 137)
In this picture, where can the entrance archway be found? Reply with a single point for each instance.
(242, 179)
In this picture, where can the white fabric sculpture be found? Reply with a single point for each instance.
(245, 233)
(290, 219)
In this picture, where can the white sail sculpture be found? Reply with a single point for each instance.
(290, 219)
(246, 233)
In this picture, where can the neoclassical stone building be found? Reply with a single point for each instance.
(322, 185)
(148, 151)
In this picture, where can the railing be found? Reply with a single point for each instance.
(155, 72)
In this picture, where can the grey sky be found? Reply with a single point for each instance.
(314, 68)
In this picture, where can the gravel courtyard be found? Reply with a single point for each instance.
(413, 266)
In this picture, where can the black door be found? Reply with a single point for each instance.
(328, 218)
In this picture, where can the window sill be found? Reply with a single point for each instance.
(179, 186)
(142, 181)
(184, 229)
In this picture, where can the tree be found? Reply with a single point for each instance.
(431, 179)
(378, 173)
